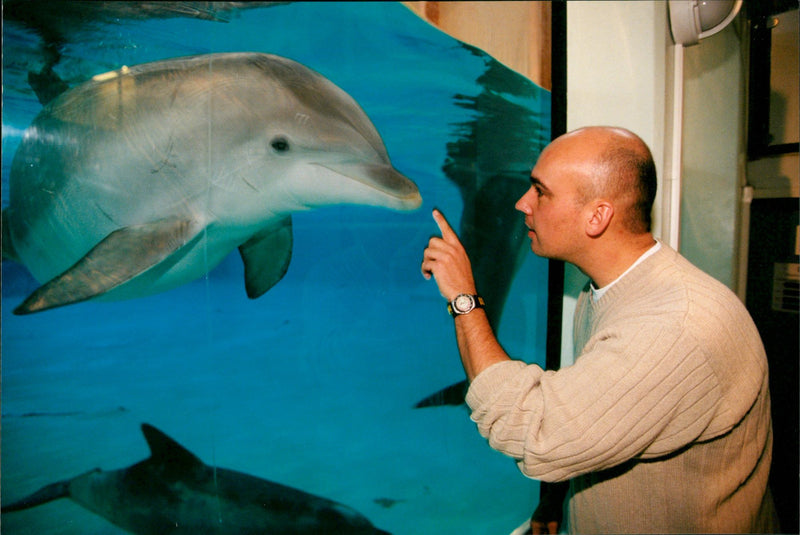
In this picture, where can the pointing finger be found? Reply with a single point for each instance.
(448, 234)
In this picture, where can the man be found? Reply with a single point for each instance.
(662, 424)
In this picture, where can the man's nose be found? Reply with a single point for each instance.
(522, 205)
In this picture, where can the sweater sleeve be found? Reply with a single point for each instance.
(645, 397)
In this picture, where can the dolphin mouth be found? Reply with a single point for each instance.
(384, 178)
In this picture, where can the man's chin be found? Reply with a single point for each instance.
(538, 250)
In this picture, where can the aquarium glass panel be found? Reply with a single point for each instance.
(213, 316)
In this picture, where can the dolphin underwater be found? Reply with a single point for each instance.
(175, 492)
(144, 178)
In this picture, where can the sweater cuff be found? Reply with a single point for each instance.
(490, 380)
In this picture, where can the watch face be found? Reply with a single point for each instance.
(463, 303)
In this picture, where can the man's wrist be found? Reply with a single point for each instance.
(464, 304)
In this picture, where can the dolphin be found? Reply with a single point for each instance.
(144, 178)
(175, 492)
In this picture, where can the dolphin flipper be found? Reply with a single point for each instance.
(121, 256)
(46, 494)
(266, 257)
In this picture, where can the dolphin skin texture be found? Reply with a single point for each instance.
(144, 178)
(173, 492)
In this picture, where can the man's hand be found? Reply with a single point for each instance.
(549, 513)
(447, 262)
(538, 528)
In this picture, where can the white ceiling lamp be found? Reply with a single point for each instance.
(692, 20)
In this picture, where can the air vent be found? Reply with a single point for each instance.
(786, 288)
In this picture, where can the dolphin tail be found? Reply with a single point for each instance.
(46, 84)
(46, 494)
(121, 256)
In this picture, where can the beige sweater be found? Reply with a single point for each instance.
(663, 422)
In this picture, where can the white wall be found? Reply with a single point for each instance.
(620, 71)
(713, 153)
(616, 75)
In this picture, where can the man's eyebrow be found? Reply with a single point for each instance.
(536, 182)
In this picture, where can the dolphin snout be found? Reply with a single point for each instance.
(396, 184)
(403, 193)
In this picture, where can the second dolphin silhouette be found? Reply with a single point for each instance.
(175, 492)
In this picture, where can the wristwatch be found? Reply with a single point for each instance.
(464, 304)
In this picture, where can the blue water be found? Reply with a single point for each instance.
(311, 385)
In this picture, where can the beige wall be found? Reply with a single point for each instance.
(517, 34)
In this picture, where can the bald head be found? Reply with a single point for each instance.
(614, 164)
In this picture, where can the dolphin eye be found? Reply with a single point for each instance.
(280, 144)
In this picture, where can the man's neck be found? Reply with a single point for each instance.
(610, 262)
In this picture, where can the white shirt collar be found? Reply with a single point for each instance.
(597, 293)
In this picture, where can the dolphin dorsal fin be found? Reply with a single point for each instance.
(166, 452)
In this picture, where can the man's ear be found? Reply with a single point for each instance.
(599, 218)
